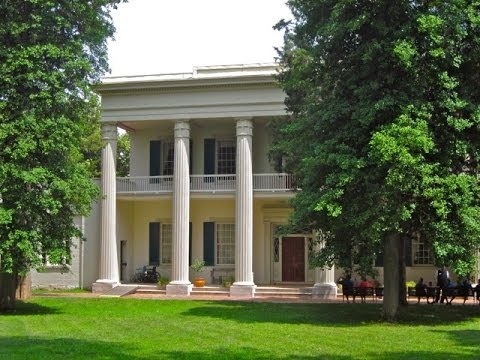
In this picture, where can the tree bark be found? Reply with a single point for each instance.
(24, 287)
(8, 286)
(402, 290)
(391, 276)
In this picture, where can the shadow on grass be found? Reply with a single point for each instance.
(16, 348)
(470, 339)
(245, 353)
(329, 314)
(20, 347)
(29, 308)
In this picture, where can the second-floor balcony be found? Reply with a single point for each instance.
(150, 185)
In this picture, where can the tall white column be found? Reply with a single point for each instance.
(180, 283)
(325, 286)
(244, 285)
(108, 267)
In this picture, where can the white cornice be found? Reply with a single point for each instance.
(205, 76)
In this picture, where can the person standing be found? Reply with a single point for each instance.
(442, 283)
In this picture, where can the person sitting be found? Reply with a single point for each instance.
(347, 287)
(449, 291)
(463, 289)
(420, 290)
(364, 284)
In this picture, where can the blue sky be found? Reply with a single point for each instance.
(166, 36)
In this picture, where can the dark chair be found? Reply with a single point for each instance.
(431, 292)
(378, 293)
(347, 291)
(420, 291)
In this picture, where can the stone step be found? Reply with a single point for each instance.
(120, 291)
(267, 290)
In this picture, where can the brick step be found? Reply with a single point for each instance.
(268, 290)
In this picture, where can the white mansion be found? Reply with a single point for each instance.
(201, 186)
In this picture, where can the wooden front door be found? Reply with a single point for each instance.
(293, 259)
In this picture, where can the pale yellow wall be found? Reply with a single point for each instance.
(145, 212)
(125, 231)
(205, 210)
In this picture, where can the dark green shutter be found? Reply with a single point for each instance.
(209, 156)
(209, 243)
(189, 244)
(154, 244)
(407, 242)
(155, 148)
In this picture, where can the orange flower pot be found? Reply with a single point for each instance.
(199, 282)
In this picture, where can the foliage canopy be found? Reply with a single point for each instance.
(384, 134)
(50, 54)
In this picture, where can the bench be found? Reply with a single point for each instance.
(221, 274)
(362, 292)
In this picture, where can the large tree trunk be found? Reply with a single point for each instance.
(8, 286)
(24, 287)
(402, 271)
(391, 276)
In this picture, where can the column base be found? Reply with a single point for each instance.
(102, 285)
(246, 291)
(179, 289)
(324, 291)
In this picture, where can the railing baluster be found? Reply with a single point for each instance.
(280, 182)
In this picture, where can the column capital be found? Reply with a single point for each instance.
(109, 131)
(181, 129)
(244, 127)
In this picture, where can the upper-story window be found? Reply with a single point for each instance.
(226, 157)
(167, 158)
(161, 157)
(219, 156)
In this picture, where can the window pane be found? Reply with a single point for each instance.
(225, 244)
(226, 157)
(168, 157)
(421, 254)
(166, 244)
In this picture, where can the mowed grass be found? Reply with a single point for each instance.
(103, 328)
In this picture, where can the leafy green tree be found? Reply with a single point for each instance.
(50, 54)
(384, 134)
(123, 154)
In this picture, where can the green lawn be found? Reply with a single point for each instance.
(92, 328)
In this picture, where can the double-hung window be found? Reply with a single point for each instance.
(166, 244)
(167, 158)
(225, 244)
(422, 255)
(226, 152)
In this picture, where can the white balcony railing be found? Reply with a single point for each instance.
(145, 184)
(212, 183)
(202, 183)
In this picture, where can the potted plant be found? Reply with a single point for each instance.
(228, 281)
(162, 283)
(197, 266)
